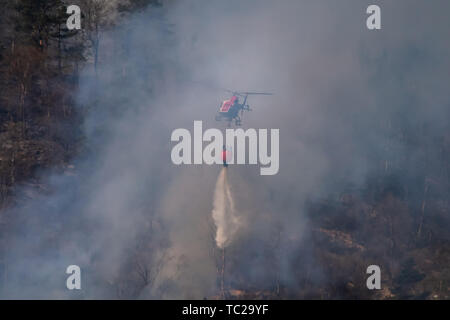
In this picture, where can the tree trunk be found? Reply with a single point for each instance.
(419, 230)
(23, 93)
(222, 280)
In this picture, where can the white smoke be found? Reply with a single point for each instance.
(224, 214)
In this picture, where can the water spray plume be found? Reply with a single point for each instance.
(224, 213)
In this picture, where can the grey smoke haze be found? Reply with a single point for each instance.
(335, 83)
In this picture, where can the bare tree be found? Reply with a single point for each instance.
(26, 62)
(97, 15)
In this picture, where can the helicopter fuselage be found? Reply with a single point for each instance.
(229, 110)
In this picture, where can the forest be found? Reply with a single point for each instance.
(73, 105)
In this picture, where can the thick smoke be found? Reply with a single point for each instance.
(140, 227)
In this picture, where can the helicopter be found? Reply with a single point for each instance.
(232, 109)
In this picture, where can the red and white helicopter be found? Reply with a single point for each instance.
(232, 109)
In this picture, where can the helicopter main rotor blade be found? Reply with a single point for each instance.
(257, 93)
